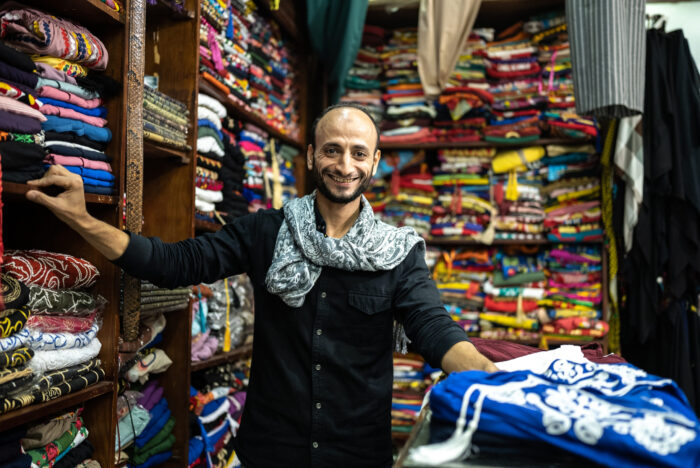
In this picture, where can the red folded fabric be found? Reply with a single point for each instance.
(49, 270)
(508, 305)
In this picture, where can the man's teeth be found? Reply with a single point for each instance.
(342, 180)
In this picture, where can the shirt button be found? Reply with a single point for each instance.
(318, 405)
(315, 445)
(323, 295)
(319, 332)
(318, 366)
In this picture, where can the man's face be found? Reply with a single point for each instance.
(345, 158)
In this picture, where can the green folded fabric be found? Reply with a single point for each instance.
(516, 280)
(512, 141)
(161, 442)
(43, 457)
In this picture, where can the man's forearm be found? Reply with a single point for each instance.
(110, 241)
(464, 356)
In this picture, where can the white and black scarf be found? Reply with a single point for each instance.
(301, 251)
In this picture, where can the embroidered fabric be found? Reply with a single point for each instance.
(43, 301)
(49, 270)
(51, 360)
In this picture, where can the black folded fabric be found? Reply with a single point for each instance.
(103, 85)
(76, 455)
(9, 451)
(23, 461)
(23, 175)
(15, 385)
(79, 152)
(10, 122)
(16, 357)
(14, 292)
(16, 58)
(13, 435)
(12, 73)
(73, 138)
(16, 155)
(24, 88)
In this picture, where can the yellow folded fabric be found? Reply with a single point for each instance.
(516, 159)
(510, 320)
(66, 66)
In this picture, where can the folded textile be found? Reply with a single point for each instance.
(11, 122)
(13, 106)
(13, 320)
(161, 442)
(160, 414)
(153, 361)
(95, 112)
(51, 360)
(45, 341)
(155, 460)
(76, 150)
(16, 357)
(48, 109)
(49, 270)
(60, 124)
(136, 420)
(44, 301)
(47, 71)
(76, 455)
(70, 139)
(42, 434)
(16, 155)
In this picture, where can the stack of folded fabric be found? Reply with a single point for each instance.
(232, 173)
(12, 453)
(470, 70)
(362, 83)
(410, 383)
(461, 180)
(155, 300)
(60, 336)
(252, 142)
(413, 204)
(61, 442)
(511, 296)
(408, 115)
(280, 173)
(165, 120)
(132, 419)
(573, 294)
(210, 156)
(573, 211)
(203, 345)
(153, 445)
(71, 100)
(517, 181)
(21, 138)
(459, 276)
(217, 398)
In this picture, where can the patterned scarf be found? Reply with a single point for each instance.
(301, 251)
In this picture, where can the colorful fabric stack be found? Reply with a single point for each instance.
(61, 442)
(222, 317)
(70, 108)
(217, 399)
(411, 380)
(210, 156)
(156, 300)
(165, 120)
(573, 294)
(408, 114)
(232, 173)
(410, 205)
(252, 142)
(363, 84)
(280, 173)
(573, 210)
(461, 180)
(49, 327)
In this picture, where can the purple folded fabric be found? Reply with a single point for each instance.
(147, 391)
(49, 72)
(155, 397)
(204, 347)
(10, 122)
(237, 402)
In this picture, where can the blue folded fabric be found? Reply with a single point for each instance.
(159, 416)
(196, 449)
(208, 123)
(65, 150)
(23, 461)
(98, 190)
(63, 125)
(212, 406)
(96, 112)
(95, 176)
(156, 459)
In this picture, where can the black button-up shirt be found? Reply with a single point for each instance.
(321, 376)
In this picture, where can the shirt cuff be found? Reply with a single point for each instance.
(447, 341)
(138, 252)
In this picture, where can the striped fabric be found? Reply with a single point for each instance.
(608, 53)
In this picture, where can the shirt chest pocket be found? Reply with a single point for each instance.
(369, 304)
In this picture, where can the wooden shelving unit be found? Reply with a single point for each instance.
(241, 352)
(206, 226)
(154, 150)
(165, 9)
(87, 12)
(18, 191)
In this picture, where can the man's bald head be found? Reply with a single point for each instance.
(343, 105)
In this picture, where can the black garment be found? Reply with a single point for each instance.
(12, 73)
(320, 383)
(73, 138)
(16, 58)
(16, 155)
(64, 150)
(21, 176)
(76, 455)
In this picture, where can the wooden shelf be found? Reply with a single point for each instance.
(455, 242)
(164, 9)
(85, 12)
(287, 16)
(237, 110)
(238, 353)
(152, 149)
(42, 410)
(477, 144)
(15, 189)
(206, 226)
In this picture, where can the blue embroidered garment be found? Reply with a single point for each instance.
(614, 414)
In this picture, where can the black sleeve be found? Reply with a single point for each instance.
(418, 307)
(205, 258)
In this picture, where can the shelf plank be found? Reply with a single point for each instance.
(238, 353)
(206, 226)
(239, 111)
(85, 12)
(164, 9)
(15, 189)
(42, 410)
(154, 150)
(456, 242)
(477, 144)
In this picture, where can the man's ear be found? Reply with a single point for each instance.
(310, 157)
(377, 157)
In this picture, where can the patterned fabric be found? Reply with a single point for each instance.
(12, 373)
(13, 321)
(44, 301)
(301, 250)
(40, 341)
(16, 358)
(45, 456)
(49, 270)
(14, 293)
(52, 360)
(13, 386)
(61, 324)
(14, 341)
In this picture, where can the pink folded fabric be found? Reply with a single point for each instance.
(76, 161)
(47, 71)
(15, 107)
(48, 109)
(54, 93)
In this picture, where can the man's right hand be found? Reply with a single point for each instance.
(69, 205)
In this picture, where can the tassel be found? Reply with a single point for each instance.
(401, 341)
(227, 332)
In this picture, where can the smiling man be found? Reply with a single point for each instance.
(335, 292)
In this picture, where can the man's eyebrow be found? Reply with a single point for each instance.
(331, 145)
(360, 147)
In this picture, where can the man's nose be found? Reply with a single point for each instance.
(345, 163)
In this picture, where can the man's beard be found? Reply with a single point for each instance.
(365, 181)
